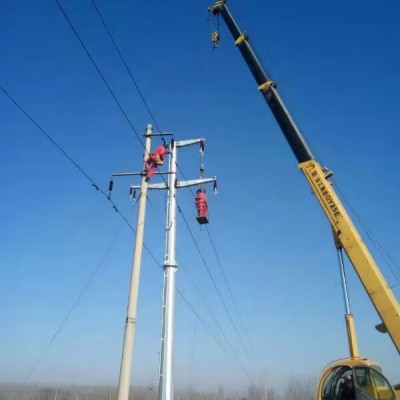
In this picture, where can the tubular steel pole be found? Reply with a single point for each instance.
(130, 323)
(166, 388)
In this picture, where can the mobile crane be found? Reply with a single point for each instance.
(365, 375)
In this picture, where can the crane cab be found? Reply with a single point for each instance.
(354, 379)
(201, 207)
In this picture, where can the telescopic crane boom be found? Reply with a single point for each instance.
(365, 266)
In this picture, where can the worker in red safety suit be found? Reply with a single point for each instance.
(156, 158)
(201, 203)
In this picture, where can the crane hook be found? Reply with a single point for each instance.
(215, 36)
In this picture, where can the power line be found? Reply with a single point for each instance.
(220, 266)
(212, 278)
(227, 285)
(141, 96)
(214, 283)
(231, 348)
(137, 135)
(210, 311)
(126, 65)
(97, 187)
(103, 78)
(67, 156)
(73, 306)
(99, 72)
(213, 317)
(50, 139)
(233, 354)
(129, 72)
(388, 260)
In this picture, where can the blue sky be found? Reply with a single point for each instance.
(337, 67)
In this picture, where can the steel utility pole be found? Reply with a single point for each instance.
(166, 389)
(130, 322)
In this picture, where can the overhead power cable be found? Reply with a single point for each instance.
(220, 267)
(228, 287)
(198, 316)
(96, 186)
(222, 271)
(207, 305)
(388, 260)
(232, 355)
(99, 72)
(74, 305)
(67, 156)
(239, 336)
(137, 135)
(126, 65)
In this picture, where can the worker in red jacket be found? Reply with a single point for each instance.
(156, 158)
(201, 203)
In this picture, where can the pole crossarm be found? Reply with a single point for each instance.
(189, 142)
(156, 186)
(137, 173)
(195, 182)
(126, 174)
(160, 134)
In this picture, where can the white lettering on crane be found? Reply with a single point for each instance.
(325, 194)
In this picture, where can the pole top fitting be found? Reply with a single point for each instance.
(149, 130)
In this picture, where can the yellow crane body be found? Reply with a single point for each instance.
(368, 272)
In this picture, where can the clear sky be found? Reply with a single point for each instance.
(337, 66)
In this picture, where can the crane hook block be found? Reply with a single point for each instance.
(215, 38)
(201, 206)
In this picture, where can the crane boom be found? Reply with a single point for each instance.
(365, 266)
(266, 86)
